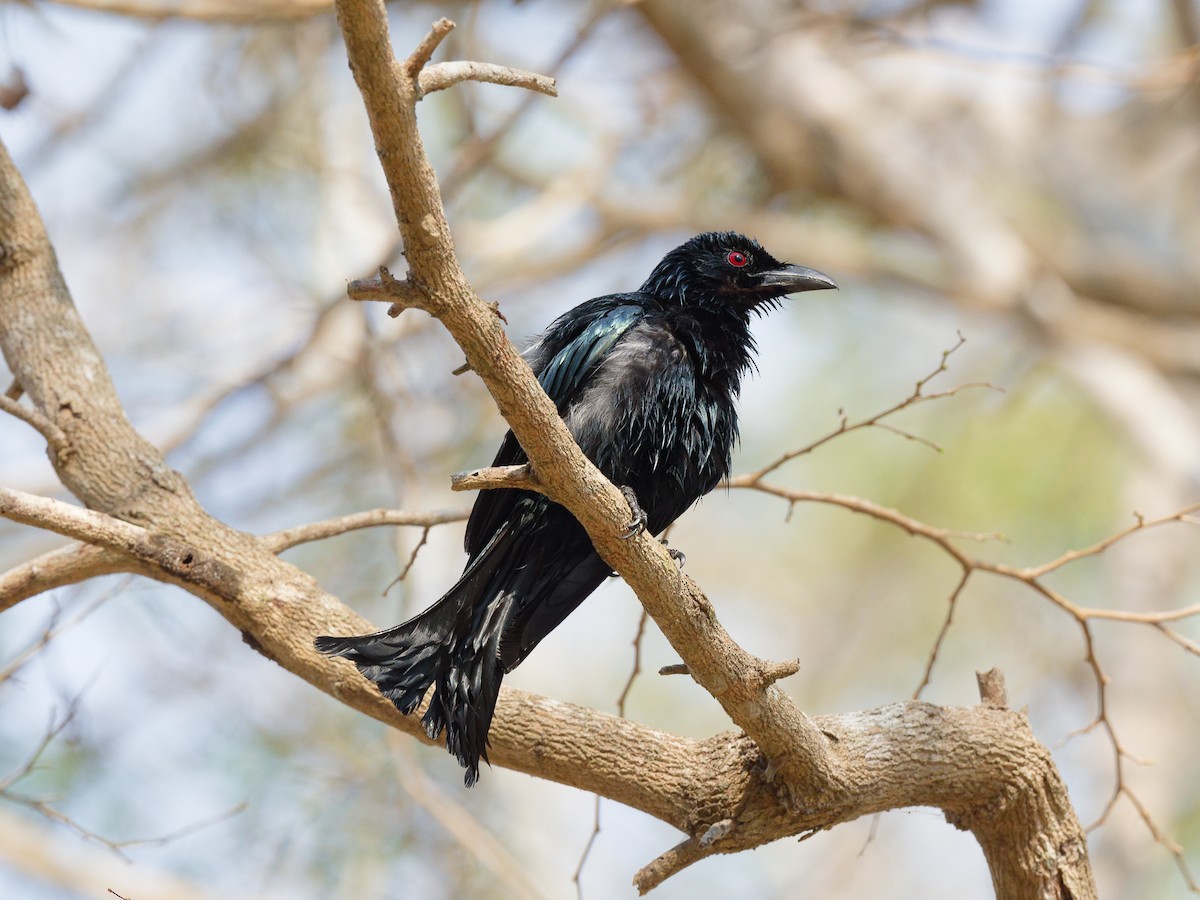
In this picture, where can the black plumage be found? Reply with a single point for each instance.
(647, 383)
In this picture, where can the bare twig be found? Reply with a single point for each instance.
(424, 51)
(412, 558)
(53, 629)
(385, 287)
(845, 426)
(675, 860)
(945, 629)
(637, 664)
(447, 74)
(491, 478)
(54, 435)
(279, 541)
(48, 810)
(1173, 847)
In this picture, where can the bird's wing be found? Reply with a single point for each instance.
(562, 360)
(569, 367)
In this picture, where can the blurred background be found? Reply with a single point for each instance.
(1023, 172)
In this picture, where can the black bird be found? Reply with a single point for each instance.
(647, 384)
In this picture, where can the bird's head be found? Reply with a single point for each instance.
(730, 269)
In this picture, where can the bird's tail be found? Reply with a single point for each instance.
(453, 646)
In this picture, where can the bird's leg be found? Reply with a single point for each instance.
(638, 523)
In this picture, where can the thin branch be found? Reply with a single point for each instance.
(845, 426)
(1171, 846)
(53, 629)
(168, 558)
(279, 541)
(1140, 524)
(1030, 576)
(54, 435)
(670, 863)
(68, 520)
(424, 51)
(48, 810)
(386, 288)
(942, 632)
(61, 567)
(576, 877)
(637, 664)
(412, 559)
(53, 730)
(447, 74)
(522, 477)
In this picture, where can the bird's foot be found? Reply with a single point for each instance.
(638, 523)
(678, 555)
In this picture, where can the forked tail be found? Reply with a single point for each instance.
(453, 646)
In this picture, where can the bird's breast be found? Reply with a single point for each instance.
(649, 421)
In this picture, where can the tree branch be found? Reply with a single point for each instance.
(278, 541)
(80, 561)
(59, 568)
(521, 477)
(52, 433)
(447, 74)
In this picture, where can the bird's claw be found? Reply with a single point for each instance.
(638, 523)
(678, 555)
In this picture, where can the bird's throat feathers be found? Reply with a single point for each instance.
(718, 340)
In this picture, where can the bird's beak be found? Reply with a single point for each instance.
(794, 279)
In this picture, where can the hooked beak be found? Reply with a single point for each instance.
(794, 279)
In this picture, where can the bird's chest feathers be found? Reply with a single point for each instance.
(649, 413)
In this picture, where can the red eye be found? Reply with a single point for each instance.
(737, 258)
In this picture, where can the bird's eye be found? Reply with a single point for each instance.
(737, 258)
